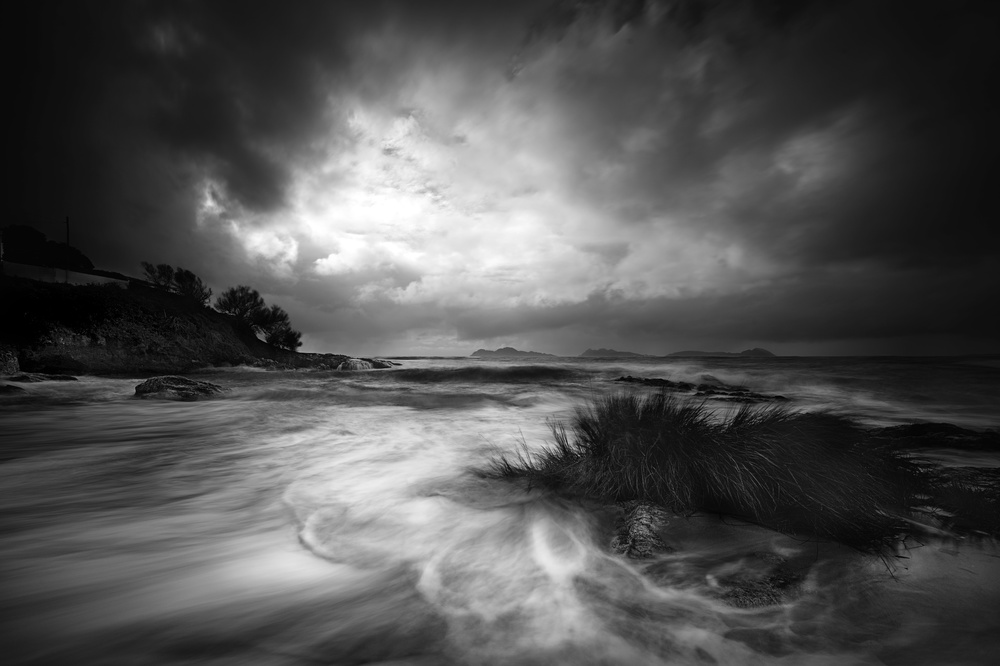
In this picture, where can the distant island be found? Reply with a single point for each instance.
(756, 351)
(608, 353)
(508, 352)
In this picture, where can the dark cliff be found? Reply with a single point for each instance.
(104, 329)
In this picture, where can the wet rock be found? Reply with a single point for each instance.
(269, 364)
(32, 377)
(173, 387)
(636, 536)
(766, 580)
(10, 389)
(8, 361)
(658, 382)
(354, 364)
(964, 501)
(710, 389)
(734, 394)
(984, 479)
(365, 364)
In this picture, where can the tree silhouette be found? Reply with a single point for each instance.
(178, 280)
(285, 337)
(242, 302)
(272, 322)
(190, 285)
(270, 318)
(162, 275)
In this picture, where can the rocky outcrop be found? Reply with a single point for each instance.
(365, 364)
(8, 361)
(173, 387)
(637, 530)
(715, 390)
(10, 389)
(765, 579)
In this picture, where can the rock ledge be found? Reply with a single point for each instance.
(174, 387)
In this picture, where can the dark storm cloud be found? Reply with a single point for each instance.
(911, 77)
(769, 170)
(826, 307)
(125, 106)
(116, 97)
(235, 87)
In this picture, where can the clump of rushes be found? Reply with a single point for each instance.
(799, 473)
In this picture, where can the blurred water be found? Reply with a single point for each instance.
(331, 518)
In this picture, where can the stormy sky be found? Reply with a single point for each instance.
(432, 177)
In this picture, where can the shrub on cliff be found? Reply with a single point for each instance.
(273, 323)
(284, 337)
(189, 285)
(793, 472)
(177, 280)
(161, 275)
(242, 302)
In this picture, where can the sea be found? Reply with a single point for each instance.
(323, 517)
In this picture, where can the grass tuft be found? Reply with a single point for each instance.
(800, 473)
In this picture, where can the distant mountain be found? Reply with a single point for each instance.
(608, 353)
(508, 352)
(756, 351)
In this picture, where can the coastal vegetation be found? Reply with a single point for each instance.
(162, 322)
(105, 329)
(242, 302)
(247, 305)
(177, 280)
(811, 474)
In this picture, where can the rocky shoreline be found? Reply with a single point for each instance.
(59, 329)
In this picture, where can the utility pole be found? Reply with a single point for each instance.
(67, 230)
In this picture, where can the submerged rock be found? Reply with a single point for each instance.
(10, 389)
(636, 536)
(766, 580)
(173, 387)
(711, 389)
